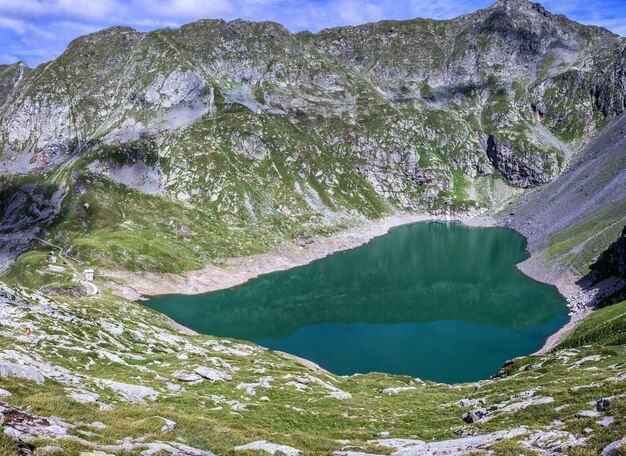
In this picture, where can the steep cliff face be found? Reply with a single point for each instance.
(612, 262)
(520, 172)
(259, 127)
(25, 210)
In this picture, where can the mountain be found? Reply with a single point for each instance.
(243, 135)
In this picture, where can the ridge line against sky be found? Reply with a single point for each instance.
(37, 31)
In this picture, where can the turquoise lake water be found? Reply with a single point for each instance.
(439, 301)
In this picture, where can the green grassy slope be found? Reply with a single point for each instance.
(605, 326)
(576, 247)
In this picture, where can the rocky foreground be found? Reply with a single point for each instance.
(102, 374)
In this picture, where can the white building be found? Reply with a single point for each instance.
(54, 267)
(53, 259)
(89, 275)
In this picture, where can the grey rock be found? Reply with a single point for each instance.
(465, 402)
(173, 448)
(85, 397)
(168, 426)
(9, 370)
(553, 441)
(353, 453)
(474, 416)
(211, 374)
(612, 448)
(514, 406)
(271, 448)
(189, 378)
(132, 393)
(465, 445)
(13, 434)
(587, 414)
(606, 421)
(397, 389)
(398, 444)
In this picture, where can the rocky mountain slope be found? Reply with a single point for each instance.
(612, 262)
(570, 222)
(243, 135)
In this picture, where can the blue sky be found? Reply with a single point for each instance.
(39, 30)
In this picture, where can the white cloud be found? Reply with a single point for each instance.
(53, 8)
(7, 58)
(443, 9)
(89, 8)
(15, 25)
(190, 8)
(106, 10)
(357, 12)
(21, 27)
(615, 25)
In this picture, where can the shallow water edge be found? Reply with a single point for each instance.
(439, 293)
(236, 271)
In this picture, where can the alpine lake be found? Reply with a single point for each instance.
(435, 300)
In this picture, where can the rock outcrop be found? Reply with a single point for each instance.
(612, 262)
(26, 209)
(518, 170)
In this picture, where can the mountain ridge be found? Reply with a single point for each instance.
(534, 5)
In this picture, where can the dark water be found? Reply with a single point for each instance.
(439, 301)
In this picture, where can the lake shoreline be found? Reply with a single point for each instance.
(237, 271)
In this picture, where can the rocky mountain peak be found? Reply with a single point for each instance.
(521, 5)
(108, 35)
(536, 13)
(524, 7)
(528, 12)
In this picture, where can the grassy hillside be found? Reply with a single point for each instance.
(605, 326)
(577, 247)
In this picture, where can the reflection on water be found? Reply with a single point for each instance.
(436, 300)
